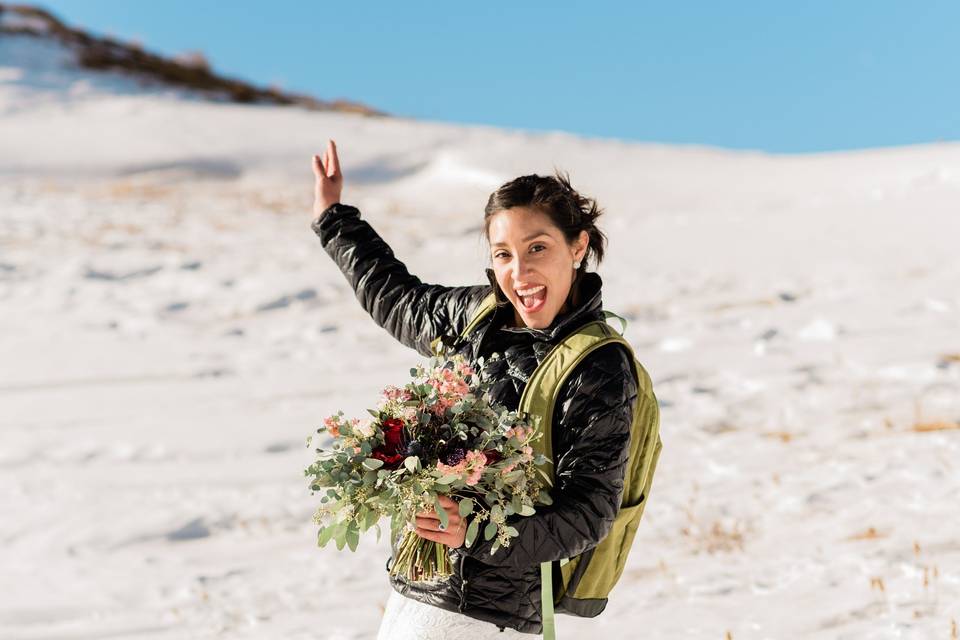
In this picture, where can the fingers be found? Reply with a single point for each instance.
(332, 158)
(431, 522)
(432, 528)
(318, 169)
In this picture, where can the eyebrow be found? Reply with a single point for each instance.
(535, 234)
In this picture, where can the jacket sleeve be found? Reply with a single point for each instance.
(412, 311)
(591, 430)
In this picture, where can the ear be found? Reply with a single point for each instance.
(582, 243)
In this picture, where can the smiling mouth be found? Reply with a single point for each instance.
(533, 298)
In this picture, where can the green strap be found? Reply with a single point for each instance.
(610, 314)
(546, 600)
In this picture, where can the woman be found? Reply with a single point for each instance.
(540, 233)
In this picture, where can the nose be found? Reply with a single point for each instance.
(521, 264)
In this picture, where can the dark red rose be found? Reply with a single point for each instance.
(492, 455)
(389, 461)
(392, 435)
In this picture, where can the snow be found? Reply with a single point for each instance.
(172, 331)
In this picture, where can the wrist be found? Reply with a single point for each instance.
(320, 214)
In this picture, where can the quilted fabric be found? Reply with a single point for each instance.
(591, 426)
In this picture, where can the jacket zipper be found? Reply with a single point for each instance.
(463, 588)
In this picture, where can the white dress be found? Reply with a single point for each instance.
(409, 619)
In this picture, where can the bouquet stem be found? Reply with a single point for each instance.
(421, 560)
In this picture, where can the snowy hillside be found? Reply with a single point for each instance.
(171, 331)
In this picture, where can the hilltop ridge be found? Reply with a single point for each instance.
(189, 71)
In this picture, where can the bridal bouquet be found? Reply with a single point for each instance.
(437, 435)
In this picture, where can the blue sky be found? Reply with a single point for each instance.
(775, 76)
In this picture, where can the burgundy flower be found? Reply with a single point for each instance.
(389, 461)
(392, 450)
(392, 435)
(492, 455)
(454, 456)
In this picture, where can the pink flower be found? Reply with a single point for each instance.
(391, 393)
(456, 469)
(332, 426)
(476, 463)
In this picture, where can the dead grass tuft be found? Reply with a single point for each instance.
(870, 534)
(938, 425)
(784, 436)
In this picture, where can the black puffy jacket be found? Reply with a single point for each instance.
(591, 425)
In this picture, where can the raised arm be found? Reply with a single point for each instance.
(412, 311)
(592, 424)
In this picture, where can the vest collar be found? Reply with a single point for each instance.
(589, 285)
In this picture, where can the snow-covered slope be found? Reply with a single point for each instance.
(171, 331)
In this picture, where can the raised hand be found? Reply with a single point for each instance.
(329, 180)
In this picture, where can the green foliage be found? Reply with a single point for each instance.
(471, 532)
(372, 463)
(411, 463)
(357, 489)
(441, 512)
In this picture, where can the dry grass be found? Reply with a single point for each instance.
(938, 425)
(870, 534)
(276, 204)
(137, 190)
(784, 436)
(712, 537)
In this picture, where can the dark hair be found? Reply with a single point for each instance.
(570, 211)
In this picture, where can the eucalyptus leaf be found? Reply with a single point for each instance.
(513, 476)
(471, 533)
(490, 530)
(324, 536)
(441, 512)
(370, 518)
(340, 537)
(466, 507)
(372, 463)
(527, 510)
(353, 537)
(411, 462)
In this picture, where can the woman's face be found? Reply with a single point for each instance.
(530, 254)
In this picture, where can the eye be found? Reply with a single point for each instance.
(538, 245)
(499, 254)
